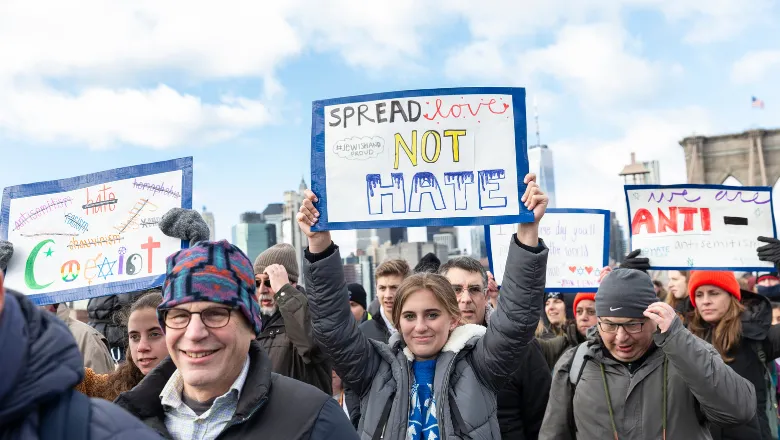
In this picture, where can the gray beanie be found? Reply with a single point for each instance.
(6, 252)
(625, 293)
(185, 224)
(282, 253)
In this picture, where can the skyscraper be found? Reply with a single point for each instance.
(208, 217)
(617, 241)
(252, 235)
(540, 162)
(478, 245)
(274, 214)
(654, 177)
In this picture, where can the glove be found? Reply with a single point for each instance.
(632, 262)
(185, 224)
(6, 252)
(770, 251)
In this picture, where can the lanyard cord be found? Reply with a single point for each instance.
(609, 400)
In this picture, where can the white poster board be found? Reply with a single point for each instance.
(700, 226)
(578, 243)
(93, 235)
(442, 157)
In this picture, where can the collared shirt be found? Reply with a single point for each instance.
(183, 423)
(387, 321)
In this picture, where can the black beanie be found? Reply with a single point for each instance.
(357, 293)
(625, 293)
(428, 263)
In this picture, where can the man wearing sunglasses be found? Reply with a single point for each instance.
(217, 382)
(286, 334)
(641, 374)
(522, 402)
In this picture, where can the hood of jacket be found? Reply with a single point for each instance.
(40, 358)
(757, 317)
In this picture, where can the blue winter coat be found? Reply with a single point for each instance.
(40, 362)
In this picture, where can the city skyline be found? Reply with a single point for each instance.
(607, 77)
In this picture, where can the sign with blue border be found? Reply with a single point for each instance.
(578, 243)
(93, 235)
(705, 227)
(439, 157)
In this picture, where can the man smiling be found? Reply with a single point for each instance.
(217, 382)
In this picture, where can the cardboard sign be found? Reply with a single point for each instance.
(578, 243)
(93, 235)
(700, 226)
(440, 157)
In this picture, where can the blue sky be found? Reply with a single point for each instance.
(94, 85)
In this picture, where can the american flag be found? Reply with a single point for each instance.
(757, 103)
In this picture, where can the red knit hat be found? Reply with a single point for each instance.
(725, 280)
(581, 296)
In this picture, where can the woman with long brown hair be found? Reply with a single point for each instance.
(678, 296)
(738, 324)
(145, 349)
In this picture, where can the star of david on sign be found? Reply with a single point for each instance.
(102, 267)
(580, 271)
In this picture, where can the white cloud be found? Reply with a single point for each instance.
(711, 21)
(595, 62)
(755, 66)
(100, 117)
(586, 170)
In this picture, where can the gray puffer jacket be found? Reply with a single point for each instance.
(471, 368)
(701, 390)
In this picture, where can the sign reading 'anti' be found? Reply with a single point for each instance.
(700, 226)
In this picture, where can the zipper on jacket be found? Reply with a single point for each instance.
(445, 386)
(249, 416)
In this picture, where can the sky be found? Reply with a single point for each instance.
(91, 85)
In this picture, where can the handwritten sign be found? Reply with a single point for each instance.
(440, 157)
(578, 243)
(700, 226)
(93, 235)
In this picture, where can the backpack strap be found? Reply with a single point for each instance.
(379, 433)
(67, 416)
(461, 429)
(577, 365)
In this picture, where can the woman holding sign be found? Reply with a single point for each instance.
(738, 324)
(436, 378)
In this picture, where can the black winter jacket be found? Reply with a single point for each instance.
(287, 339)
(40, 363)
(271, 406)
(104, 316)
(523, 400)
(757, 330)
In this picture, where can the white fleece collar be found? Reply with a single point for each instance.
(458, 339)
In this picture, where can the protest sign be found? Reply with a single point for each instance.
(700, 226)
(578, 243)
(441, 157)
(93, 235)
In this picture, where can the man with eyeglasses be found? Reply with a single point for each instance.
(522, 402)
(641, 374)
(286, 334)
(217, 382)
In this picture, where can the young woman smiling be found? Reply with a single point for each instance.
(436, 378)
(738, 324)
(145, 349)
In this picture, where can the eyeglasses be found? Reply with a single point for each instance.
(472, 289)
(267, 283)
(629, 327)
(214, 317)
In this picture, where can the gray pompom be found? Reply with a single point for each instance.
(6, 252)
(185, 224)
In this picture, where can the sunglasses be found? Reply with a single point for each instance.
(266, 283)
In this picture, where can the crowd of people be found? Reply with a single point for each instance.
(228, 348)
